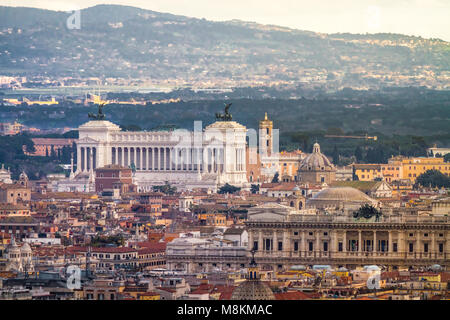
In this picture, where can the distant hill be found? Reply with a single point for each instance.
(128, 42)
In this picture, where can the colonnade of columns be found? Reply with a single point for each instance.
(335, 241)
(87, 158)
(206, 160)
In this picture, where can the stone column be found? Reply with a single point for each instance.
(317, 244)
(335, 247)
(303, 243)
(389, 242)
(149, 158)
(359, 241)
(199, 160)
(286, 243)
(433, 244)
(225, 160)
(88, 158)
(418, 248)
(375, 242)
(260, 241)
(400, 244)
(237, 160)
(78, 159)
(345, 241)
(213, 160)
(204, 157)
(164, 158)
(175, 158)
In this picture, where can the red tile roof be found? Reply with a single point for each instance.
(292, 295)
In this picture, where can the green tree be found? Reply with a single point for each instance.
(254, 188)
(375, 155)
(447, 157)
(166, 189)
(367, 211)
(358, 154)
(302, 139)
(227, 188)
(276, 178)
(52, 153)
(433, 178)
(335, 155)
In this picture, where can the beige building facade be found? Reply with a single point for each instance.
(203, 158)
(283, 237)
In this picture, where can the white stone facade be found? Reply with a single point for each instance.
(188, 159)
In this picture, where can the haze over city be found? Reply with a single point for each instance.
(235, 152)
(426, 18)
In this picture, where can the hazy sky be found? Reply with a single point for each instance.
(426, 18)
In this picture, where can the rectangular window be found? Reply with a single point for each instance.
(325, 246)
(394, 248)
(295, 245)
(411, 247)
(280, 245)
(255, 245)
(340, 247)
(268, 247)
(310, 245)
(441, 247)
(425, 247)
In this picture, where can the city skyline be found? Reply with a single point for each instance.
(418, 18)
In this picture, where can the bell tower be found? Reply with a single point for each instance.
(266, 136)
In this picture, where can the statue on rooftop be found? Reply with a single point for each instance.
(100, 115)
(227, 116)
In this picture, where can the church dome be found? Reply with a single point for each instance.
(316, 161)
(340, 195)
(253, 290)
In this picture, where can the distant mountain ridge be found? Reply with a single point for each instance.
(132, 43)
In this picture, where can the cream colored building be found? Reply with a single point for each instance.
(200, 159)
(193, 255)
(284, 236)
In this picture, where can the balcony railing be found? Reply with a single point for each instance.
(382, 219)
(350, 254)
